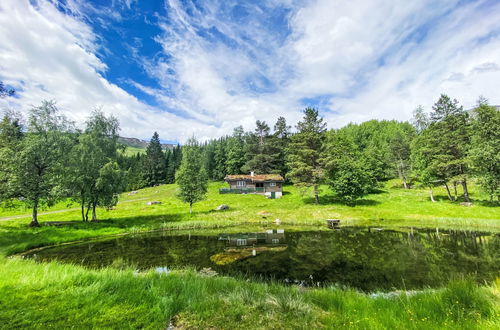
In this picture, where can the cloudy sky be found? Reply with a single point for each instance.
(200, 68)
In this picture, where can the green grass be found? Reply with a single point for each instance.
(132, 151)
(56, 295)
(59, 296)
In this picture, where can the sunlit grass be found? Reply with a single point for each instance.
(56, 295)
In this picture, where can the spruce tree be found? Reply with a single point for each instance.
(220, 158)
(235, 153)
(155, 162)
(280, 141)
(305, 152)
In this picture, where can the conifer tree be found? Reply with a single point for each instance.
(280, 141)
(305, 152)
(155, 162)
(235, 153)
(220, 158)
(260, 153)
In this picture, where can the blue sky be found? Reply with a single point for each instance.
(200, 68)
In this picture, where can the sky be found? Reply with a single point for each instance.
(201, 68)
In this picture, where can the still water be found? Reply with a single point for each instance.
(365, 258)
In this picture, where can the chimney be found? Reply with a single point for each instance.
(252, 173)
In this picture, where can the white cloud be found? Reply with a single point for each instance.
(377, 59)
(46, 54)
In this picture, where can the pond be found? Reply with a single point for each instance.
(364, 258)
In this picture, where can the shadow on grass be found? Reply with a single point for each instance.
(19, 237)
(330, 199)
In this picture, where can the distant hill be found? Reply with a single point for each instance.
(141, 144)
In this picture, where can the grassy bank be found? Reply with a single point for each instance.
(56, 295)
(59, 296)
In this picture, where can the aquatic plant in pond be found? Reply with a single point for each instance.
(365, 258)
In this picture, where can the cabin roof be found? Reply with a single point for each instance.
(255, 177)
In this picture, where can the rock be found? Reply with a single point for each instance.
(468, 204)
(277, 221)
(222, 207)
(153, 203)
(132, 193)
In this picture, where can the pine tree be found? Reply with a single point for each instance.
(449, 124)
(305, 152)
(191, 176)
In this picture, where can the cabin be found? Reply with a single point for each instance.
(270, 237)
(270, 185)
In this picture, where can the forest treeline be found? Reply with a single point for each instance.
(44, 158)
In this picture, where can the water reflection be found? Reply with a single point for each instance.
(365, 258)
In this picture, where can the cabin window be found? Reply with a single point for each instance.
(241, 183)
(275, 240)
(272, 184)
(241, 242)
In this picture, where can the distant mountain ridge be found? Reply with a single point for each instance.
(141, 144)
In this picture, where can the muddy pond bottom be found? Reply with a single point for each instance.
(369, 259)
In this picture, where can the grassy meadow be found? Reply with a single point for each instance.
(54, 295)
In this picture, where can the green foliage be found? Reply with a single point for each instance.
(441, 149)
(173, 159)
(41, 162)
(191, 176)
(305, 152)
(260, 151)
(91, 161)
(485, 150)
(220, 159)
(378, 141)
(346, 173)
(235, 151)
(155, 163)
(10, 139)
(280, 142)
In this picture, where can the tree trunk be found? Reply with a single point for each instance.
(401, 173)
(316, 194)
(190, 208)
(466, 191)
(448, 191)
(94, 215)
(34, 216)
(87, 212)
(455, 190)
(431, 194)
(83, 209)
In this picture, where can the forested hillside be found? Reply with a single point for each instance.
(45, 158)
